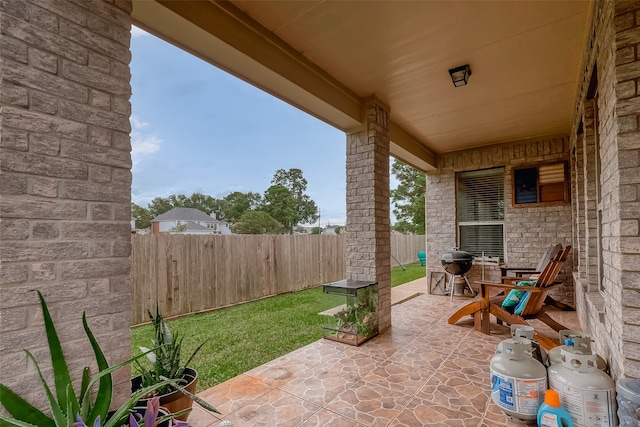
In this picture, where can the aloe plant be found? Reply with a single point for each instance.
(64, 403)
(165, 360)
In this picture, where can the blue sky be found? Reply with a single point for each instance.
(196, 128)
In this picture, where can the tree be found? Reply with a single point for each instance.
(158, 206)
(338, 229)
(141, 215)
(179, 228)
(200, 201)
(234, 205)
(203, 202)
(255, 222)
(408, 198)
(281, 205)
(306, 210)
(316, 230)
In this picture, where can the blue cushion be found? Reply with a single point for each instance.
(522, 304)
(515, 296)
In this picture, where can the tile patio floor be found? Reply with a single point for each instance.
(422, 372)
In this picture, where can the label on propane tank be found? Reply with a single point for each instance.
(523, 396)
(588, 408)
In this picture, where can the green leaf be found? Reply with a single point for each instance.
(70, 414)
(120, 414)
(60, 369)
(105, 390)
(86, 407)
(56, 411)
(108, 371)
(201, 402)
(194, 353)
(21, 410)
(14, 422)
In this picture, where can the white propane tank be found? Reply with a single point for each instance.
(518, 380)
(528, 332)
(576, 342)
(519, 331)
(587, 393)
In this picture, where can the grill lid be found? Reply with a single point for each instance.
(455, 256)
(456, 262)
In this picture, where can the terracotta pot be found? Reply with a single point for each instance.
(174, 401)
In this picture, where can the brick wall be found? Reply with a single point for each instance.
(625, 230)
(528, 231)
(65, 183)
(609, 307)
(368, 229)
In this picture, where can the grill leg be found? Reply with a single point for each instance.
(468, 285)
(451, 283)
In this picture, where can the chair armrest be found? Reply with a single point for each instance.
(509, 279)
(506, 270)
(518, 268)
(503, 285)
(520, 288)
(527, 272)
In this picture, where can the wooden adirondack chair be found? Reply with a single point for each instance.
(535, 308)
(528, 271)
(473, 307)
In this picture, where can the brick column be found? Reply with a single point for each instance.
(65, 183)
(579, 203)
(621, 206)
(368, 224)
(590, 243)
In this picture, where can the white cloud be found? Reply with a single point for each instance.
(142, 140)
(136, 123)
(138, 32)
(146, 144)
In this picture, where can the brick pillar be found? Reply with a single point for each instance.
(65, 183)
(579, 204)
(590, 163)
(623, 238)
(368, 224)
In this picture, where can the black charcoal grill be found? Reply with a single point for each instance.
(457, 263)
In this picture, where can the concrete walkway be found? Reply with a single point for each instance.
(406, 291)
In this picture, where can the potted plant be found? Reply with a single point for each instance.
(65, 405)
(165, 362)
(150, 416)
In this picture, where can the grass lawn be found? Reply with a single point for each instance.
(245, 336)
(411, 272)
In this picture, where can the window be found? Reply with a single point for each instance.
(536, 185)
(480, 212)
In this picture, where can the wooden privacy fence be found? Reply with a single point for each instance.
(189, 274)
(405, 248)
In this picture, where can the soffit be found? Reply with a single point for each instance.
(327, 56)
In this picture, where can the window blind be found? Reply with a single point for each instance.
(480, 195)
(550, 174)
(480, 212)
(487, 238)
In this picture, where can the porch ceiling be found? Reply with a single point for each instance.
(325, 57)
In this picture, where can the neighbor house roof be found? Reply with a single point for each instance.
(192, 226)
(184, 214)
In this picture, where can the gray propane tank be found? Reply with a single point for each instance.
(587, 393)
(576, 342)
(518, 380)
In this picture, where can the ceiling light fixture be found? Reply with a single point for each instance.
(460, 75)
